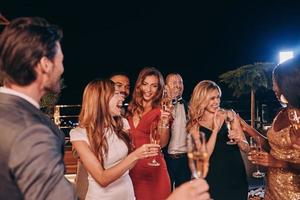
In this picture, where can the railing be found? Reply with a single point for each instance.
(66, 120)
(65, 117)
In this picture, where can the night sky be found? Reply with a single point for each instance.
(174, 36)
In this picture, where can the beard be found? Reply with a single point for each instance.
(52, 93)
(54, 87)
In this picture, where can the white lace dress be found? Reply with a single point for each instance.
(117, 150)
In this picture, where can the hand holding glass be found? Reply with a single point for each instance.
(255, 149)
(155, 133)
(229, 117)
(167, 106)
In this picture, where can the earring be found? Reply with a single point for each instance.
(283, 99)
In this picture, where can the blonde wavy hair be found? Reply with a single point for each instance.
(199, 101)
(136, 104)
(96, 119)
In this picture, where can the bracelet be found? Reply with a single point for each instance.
(165, 126)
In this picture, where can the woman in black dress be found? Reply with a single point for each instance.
(227, 175)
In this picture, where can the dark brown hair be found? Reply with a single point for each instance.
(287, 77)
(22, 45)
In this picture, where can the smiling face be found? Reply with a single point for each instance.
(175, 83)
(115, 104)
(214, 99)
(121, 84)
(149, 87)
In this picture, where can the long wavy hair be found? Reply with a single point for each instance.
(136, 104)
(199, 101)
(96, 119)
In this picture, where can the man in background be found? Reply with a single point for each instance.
(176, 150)
(122, 84)
(32, 147)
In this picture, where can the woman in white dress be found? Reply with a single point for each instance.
(103, 144)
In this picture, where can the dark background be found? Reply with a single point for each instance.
(199, 39)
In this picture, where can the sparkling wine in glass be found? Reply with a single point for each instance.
(166, 105)
(197, 154)
(155, 132)
(229, 117)
(255, 149)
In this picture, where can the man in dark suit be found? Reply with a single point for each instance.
(32, 147)
(176, 150)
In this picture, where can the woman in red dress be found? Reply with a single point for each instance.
(149, 182)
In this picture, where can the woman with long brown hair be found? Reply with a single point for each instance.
(149, 182)
(280, 155)
(102, 142)
(227, 176)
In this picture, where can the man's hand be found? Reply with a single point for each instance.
(196, 189)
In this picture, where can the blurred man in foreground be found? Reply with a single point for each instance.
(32, 147)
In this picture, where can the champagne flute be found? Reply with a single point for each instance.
(198, 155)
(255, 149)
(166, 105)
(229, 117)
(155, 131)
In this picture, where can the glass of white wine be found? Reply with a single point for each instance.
(155, 132)
(229, 117)
(197, 154)
(255, 149)
(167, 106)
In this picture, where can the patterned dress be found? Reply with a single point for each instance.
(282, 184)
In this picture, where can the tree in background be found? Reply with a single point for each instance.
(248, 79)
(49, 100)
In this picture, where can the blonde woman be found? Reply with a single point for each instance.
(103, 144)
(227, 176)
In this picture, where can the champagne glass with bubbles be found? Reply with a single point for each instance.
(155, 133)
(166, 105)
(197, 155)
(229, 117)
(255, 149)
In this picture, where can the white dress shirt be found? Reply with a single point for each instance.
(178, 131)
(6, 90)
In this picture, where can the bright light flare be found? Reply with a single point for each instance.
(285, 55)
